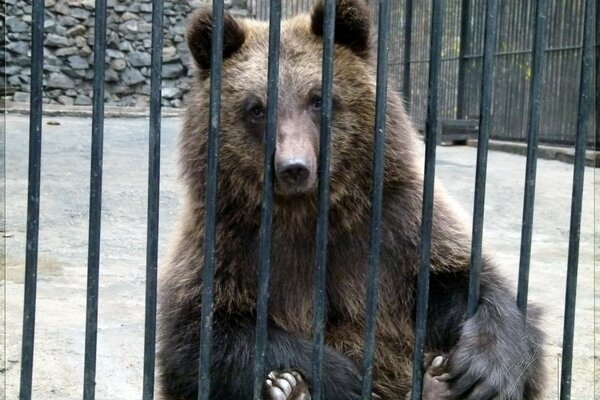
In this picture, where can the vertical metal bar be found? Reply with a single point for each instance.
(470, 65)
(153, 200)
(596, 139)
(408, 16)
(377, 196)
(462, 72)
(418, 68)
(586, 97)
(208, 269)
(533, 129)
(33, 197)
(267, 200)
(527, 42)
(485, 119)
(443, 101)
(572, 27)
(507, 63)
(431, 126)
(265, 9)
(555, 113)
(521, 43)
(323, 217)
(519, 102)
(91, 325)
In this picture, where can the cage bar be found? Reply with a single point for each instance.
(465, 24)
(485, 122)
(533, 131)
(586, 98)
(33, 198)
(91, 324)
(208, 269)
(431, 126)
(267, 199)
(153, 200)
(323, 216)
(377, 198)
(408, 26)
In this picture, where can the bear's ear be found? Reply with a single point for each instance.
(199, 36)
(352, 24)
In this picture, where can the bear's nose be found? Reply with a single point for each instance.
(293, 172)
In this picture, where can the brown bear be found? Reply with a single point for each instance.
(496, 353)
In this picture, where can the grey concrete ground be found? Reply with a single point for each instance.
(59, 350)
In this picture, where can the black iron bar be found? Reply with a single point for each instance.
(153, 200)
(497, 54)
(465, 23)
(485, 125)
(377, 197)
(553, 71)
(408, 27)
(596, 138)
(567, 27)
(586, 98)
(33, 198)
(267, 200)
(91, 322)
(562, 24)
(431, 126)
(323, 217)
(208, 269)
(533, 129)
(509, 94)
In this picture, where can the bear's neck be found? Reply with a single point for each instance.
(296, 218)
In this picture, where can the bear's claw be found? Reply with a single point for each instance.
(286, 386)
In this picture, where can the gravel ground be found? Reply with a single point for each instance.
(60, 318)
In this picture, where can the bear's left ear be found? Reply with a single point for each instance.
(199, 36)
(352, 24)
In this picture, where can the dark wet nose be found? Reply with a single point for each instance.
(293, 172)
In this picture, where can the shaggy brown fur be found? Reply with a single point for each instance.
(240, 179)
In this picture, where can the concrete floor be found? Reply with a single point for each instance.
(60, 318)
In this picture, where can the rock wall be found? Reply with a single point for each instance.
(69, 58)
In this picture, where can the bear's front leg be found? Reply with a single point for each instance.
(285, 386)
(498, 354)
(232, 372)
(495, 353)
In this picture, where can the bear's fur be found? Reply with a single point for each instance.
(495, 352)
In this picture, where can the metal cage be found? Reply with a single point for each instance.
(433, 95)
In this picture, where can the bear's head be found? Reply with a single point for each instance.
(244, 109)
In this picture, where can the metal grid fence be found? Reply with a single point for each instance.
(434, 110)
(462, 58)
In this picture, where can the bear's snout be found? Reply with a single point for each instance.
(293, 172)
(295, 156)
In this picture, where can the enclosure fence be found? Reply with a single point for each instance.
(462, 58)
(437, 37)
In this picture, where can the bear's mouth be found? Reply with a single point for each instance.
(297, 201)
(284, 190)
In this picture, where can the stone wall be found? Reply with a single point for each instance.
(68, 51)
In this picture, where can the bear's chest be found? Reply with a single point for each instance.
(292, 285)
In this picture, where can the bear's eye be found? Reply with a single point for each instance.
(257, 112)
(316, 102)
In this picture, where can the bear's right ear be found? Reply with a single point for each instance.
(352, 24)
(199, 36)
